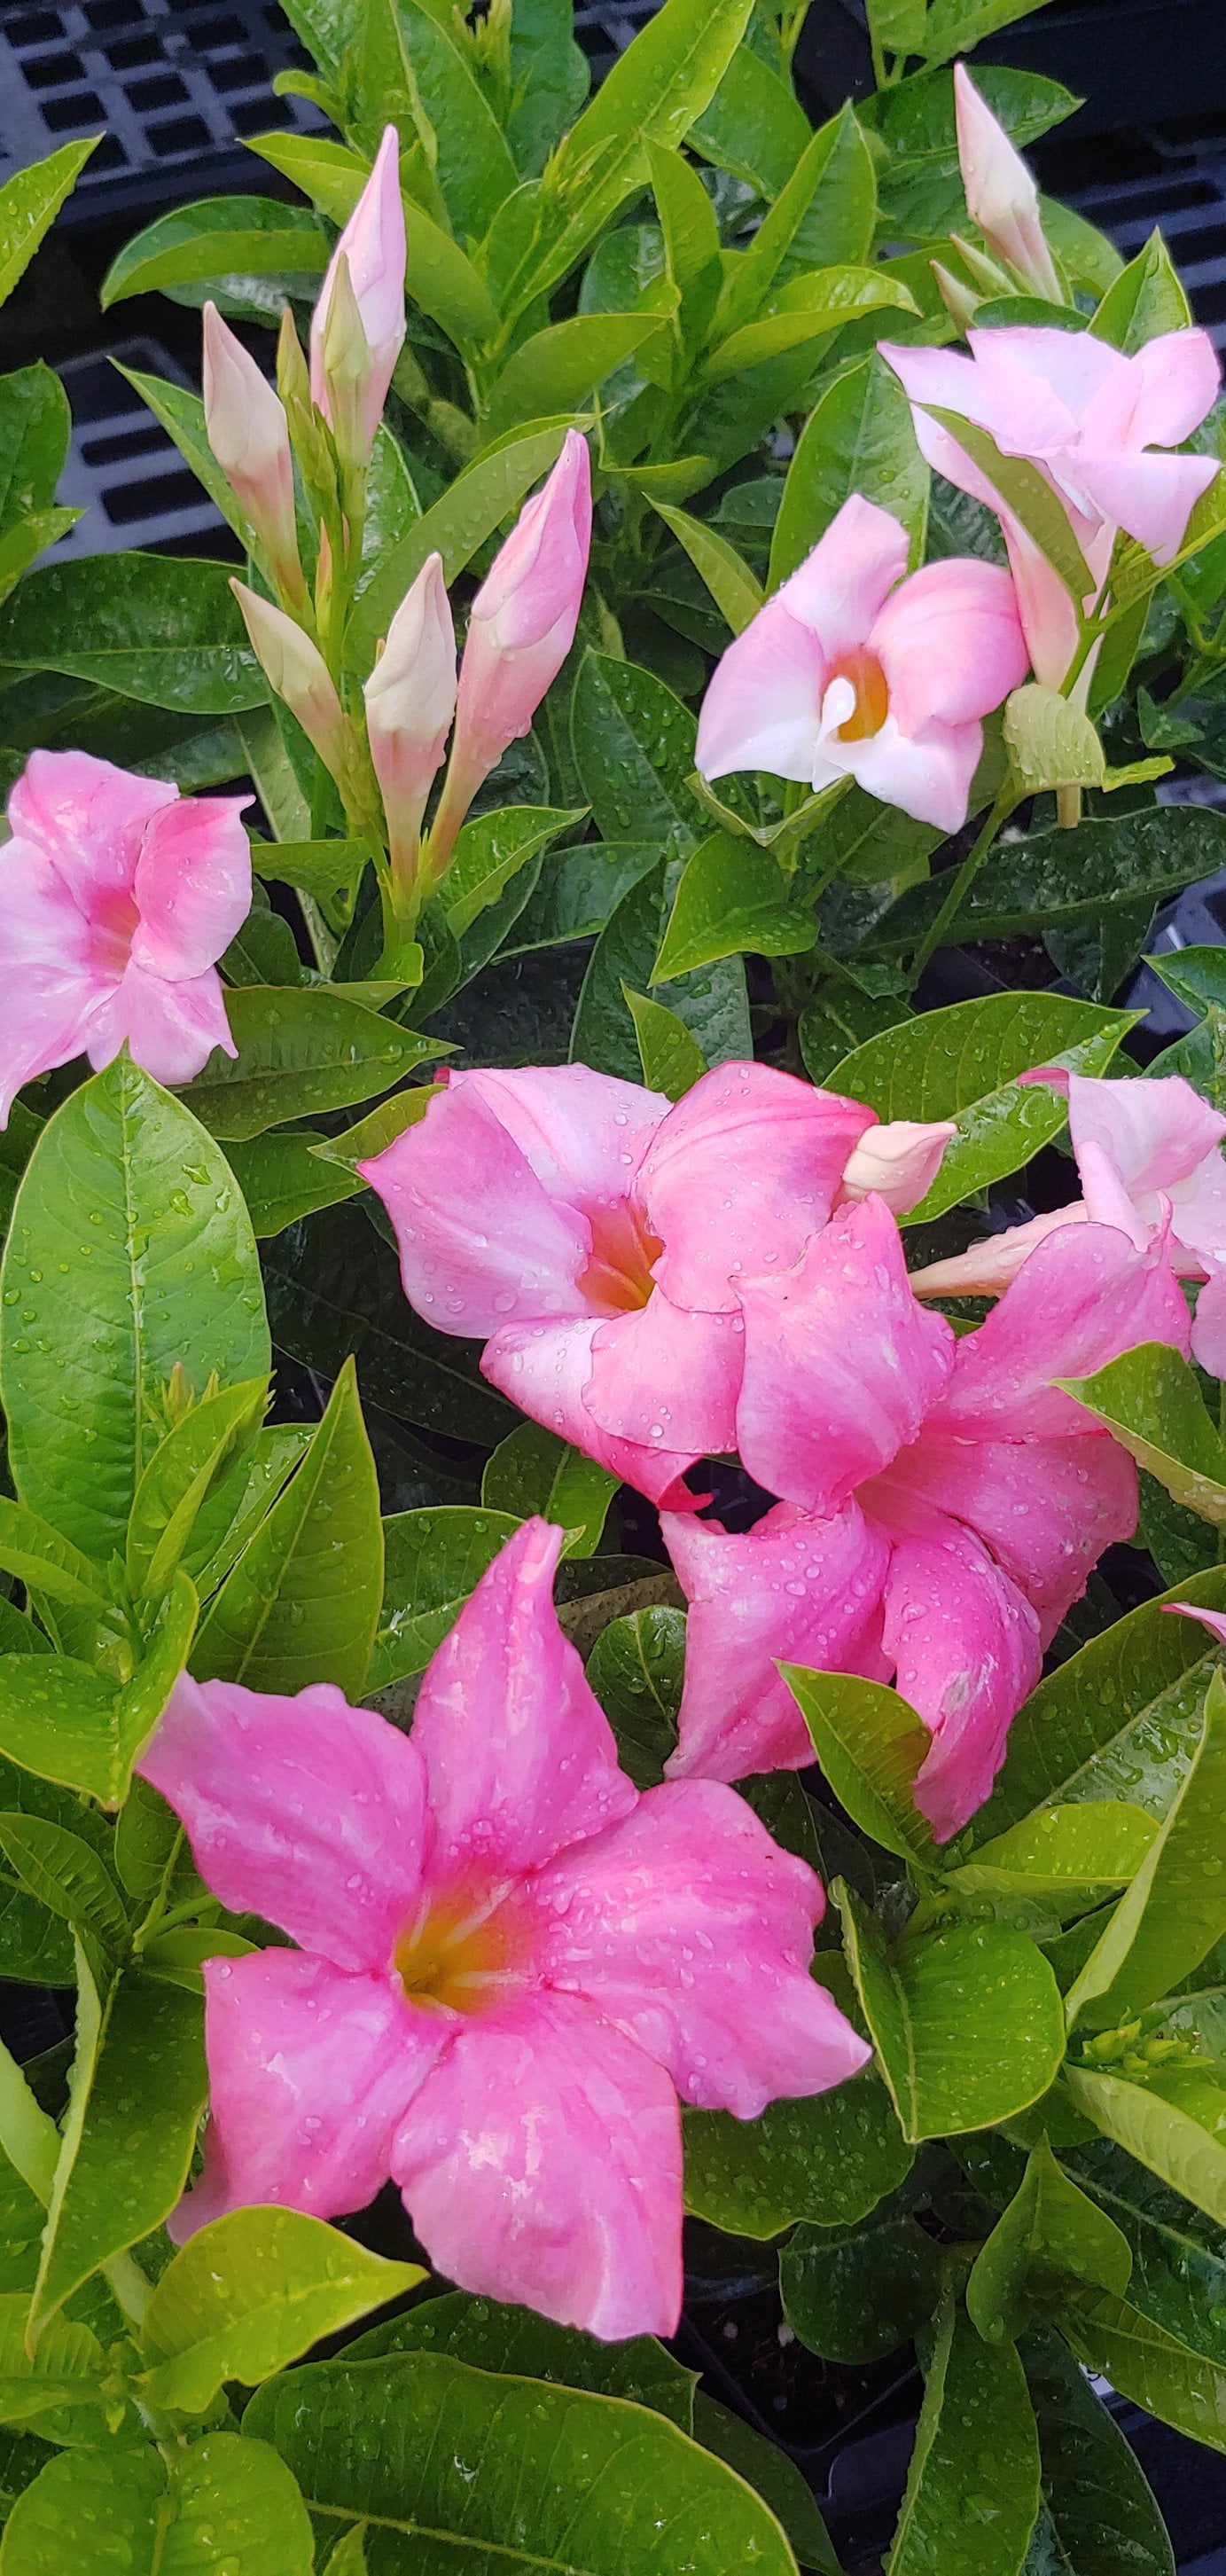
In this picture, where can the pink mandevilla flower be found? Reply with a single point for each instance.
(1087, 417)
(1149, 1160)
(118, 897)
(852, 671)
(944, 1502)
(1001, 196)
(509, 1963)
(595, 1237)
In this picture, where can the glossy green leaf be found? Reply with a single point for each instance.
(320, 868)
(967, 2022)
(870, 1745)
(1178, 2254)
(302, 1603)
(194, 1456)
(578, 893)
(46, 1563)
(712, 1001)
(283, 1178)
(963, 1062)
(972, 2494)
(490, 851)
(558, 367)
(635, 1668)
(1143, 2362)
(249, 2294)
(235, 1509)
(223, 2504)
(1075, 1854)
(754, 126)
(30, 202)
(334, 1290)
(456, 527)
(445, 2459)
(35, 424)
(634, 746)
(535, 1471)
(1175, 2125)
(153, 627)
(1055, 878)
(732, 896)
(1100, 2510)
(439, 276)
(1031, 499)
(1150, 1400)
(736, 590)
(301, 1049)
(805, 309)
(1175, 1908)
(1145, 300)
(67, 1875)
(858, 438)
(55, 2388)
(1050, 2231)
(830, 192)
(772, 2474)
(125, 1187)
(854, 2294)
(433, 1561)
(62, 1719)
(495, 2337)
(671, 1057)
(221, 242)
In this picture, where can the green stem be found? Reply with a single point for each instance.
(964, 878)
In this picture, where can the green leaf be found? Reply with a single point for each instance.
(652, 94)
(283, 1177)
(126, 1190)
(441, 2457)
(1050, 2231)
(772, 2474)
(550, 79)
(251, 2293)
(154, 627)
(898, 26)
(45, 1562)
(687, 216)
(1032, 500)
(634, 747)
(732, 896)
(736, 591)
(754, 126)
(1150, 2366)
(1096, 2497)
(577, 895)
(181, 414)
(712, 1002)
(972, 2495)
(67, 1875)
(490, 850)
(303, 1601)
(635, 1668)
(334, 1290)
(35, 424)
(183, 1470)
(870, 1745)
(220, 244)
(671, 1058)
(1150, 1400)
(826, 208)
(1051, 742)
(1049, 879)
(858, 438)
(805, 309)
(535, 1471)
(434, 1560)
(30, 202)
(963, 1062)
(139, 2084)
(1145, 300)
(559, 366)
(1175, 2125)
(474, 170)
(235, 1509)
(301, 1049)
(1075, 1854)
(1174, 1910)
(456, 527)
(491, 2336)
(319, 868)
(967, 2022)
(226, 2503)
(854, 2294)
(57, 2386)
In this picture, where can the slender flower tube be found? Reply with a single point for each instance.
(118, 895)
(508, 1963)
(249, 435)
(853, 671)
(358, 326)
(410, 699)
(520, 629)
(1001, 196)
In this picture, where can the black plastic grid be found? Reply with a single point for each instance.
(122, 470)
(1177, 181)
(173, 86)
(604, 28)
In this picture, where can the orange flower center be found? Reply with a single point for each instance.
(868, 680)
(618, 1277)
(454, 1954)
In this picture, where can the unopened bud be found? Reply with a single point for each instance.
(897, 1162)
(249, 436)
(959, 300)
(1001, 196)
(410, 699)
(296, 669)
(371, 255)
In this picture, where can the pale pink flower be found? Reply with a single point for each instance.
(1001, 196)
(1149, 1160)
(410, 699)
(595, 1239)
(117, 896)
(248, 433)
(945, 1502)
(520, 629)
(509, 1963)
(372, 246)
(1088, 418)
(852, 671)
(898, 1162)
(296, 669)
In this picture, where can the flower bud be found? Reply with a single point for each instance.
(520, 630)
(960, 301)
(249, 436)
(410, 699)
(351, 367)
(899, 1162)
(296, 669)
(1001, 196)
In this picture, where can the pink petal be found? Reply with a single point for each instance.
(950, 644)
(662, 1374)
(170, 1029)
(764, 699)
(541, 2163)
(310, 2074)
(1058, 373)
(1156, 1133)
(967, 1650)
(1083, 1296)
(1049, 619)
(519, 1756)
(193, 885)
(986, 1267)
(793, 1590)
(1209, 1325)
(690, 1929)
(928, 778)
(301, 1809)
(480, 1238)
(841, 1362)
(1170, 385)
(1152, 497)
(44, 1020)
(1046, 1507)
(1213, 1620)
(88, 817)
(842, 586)
(50, 984)
(1107, 1202)
(546, 1369)
(739, 1175)
(583, 1134)
(898, 1161)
